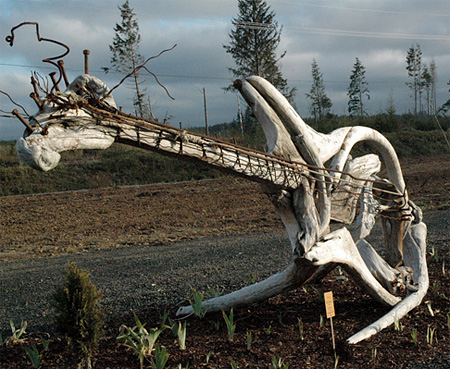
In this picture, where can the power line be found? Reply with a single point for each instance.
(366, 10)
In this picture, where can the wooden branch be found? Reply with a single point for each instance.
(359, 134)
(390, 278)
(292, 277)
(346, 195)
(323, 146)
(338, 247)
(278, 138)
(415, 257)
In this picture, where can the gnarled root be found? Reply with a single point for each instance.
(414, 249)
(338, 247)
(293, 276)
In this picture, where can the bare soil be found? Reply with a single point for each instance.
(147, 246)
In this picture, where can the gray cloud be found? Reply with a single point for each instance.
(378, 33)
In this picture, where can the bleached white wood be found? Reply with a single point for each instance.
(324, 146)
(338, 247)
(295, 181)
(415, 257)
(390, 278)
(346, 195)
(293, 276)
(360, 134)
(278, 139)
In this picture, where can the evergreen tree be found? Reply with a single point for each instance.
(433, 85)
(446, 106)
(126, 56)
(254, 42)
(426, 81)
(414, 68)
(390, 108)
(358, 90)
(320, 102)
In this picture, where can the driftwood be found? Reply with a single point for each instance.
(307, 194)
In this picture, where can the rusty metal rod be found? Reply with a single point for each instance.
(63, 72)
(86, 61)
(36, 100)
(35, 87)
(55, 82)
(22, 119)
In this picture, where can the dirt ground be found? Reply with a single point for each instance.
(229, 222)
(51, 224)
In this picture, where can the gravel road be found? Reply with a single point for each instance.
(133, 278)
(140, 276)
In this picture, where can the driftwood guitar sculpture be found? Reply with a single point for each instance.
(310, 178)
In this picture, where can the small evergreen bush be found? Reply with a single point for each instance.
(78, 315)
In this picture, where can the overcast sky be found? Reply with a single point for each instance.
(378, 32)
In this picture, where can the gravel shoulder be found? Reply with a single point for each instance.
(142, 276)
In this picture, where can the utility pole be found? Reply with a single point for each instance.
(206, 112)
(240, 116)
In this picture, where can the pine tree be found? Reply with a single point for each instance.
(414, 68)
(78, 315)
(320, 103)
(126, 56)
(433, 85)
(446, 106)
(358, 90)
(426, 81)
(254, 42)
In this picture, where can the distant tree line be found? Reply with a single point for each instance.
(254, 40)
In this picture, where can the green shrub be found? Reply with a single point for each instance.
(78, 316)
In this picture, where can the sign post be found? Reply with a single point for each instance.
(329, 307)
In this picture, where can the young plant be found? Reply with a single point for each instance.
(45, 343)
(17, 332)
(336, 360)
(436, 285)
(181, 334)
(34, 355)
(196, 304)
(213, 292)
(229, 321)
(448, 321)
(249, 340)
(78, 316)
(164, 318)
(233, 364)
(161, 357)
(321, 321)
(397, 325)
(300, 329)
(139, 339)
(208, 357)
(414, 335)
(430, 309)
(319, 292)
(251, 278)
(341, 275)
(279, 363)
(430, 335)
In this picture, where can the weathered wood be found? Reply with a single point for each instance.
(346, 195)
(338, 247)
(293, 276)
(415, 257)
(305, 193)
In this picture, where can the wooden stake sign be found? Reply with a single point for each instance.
(329, 304)
(329, 307)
